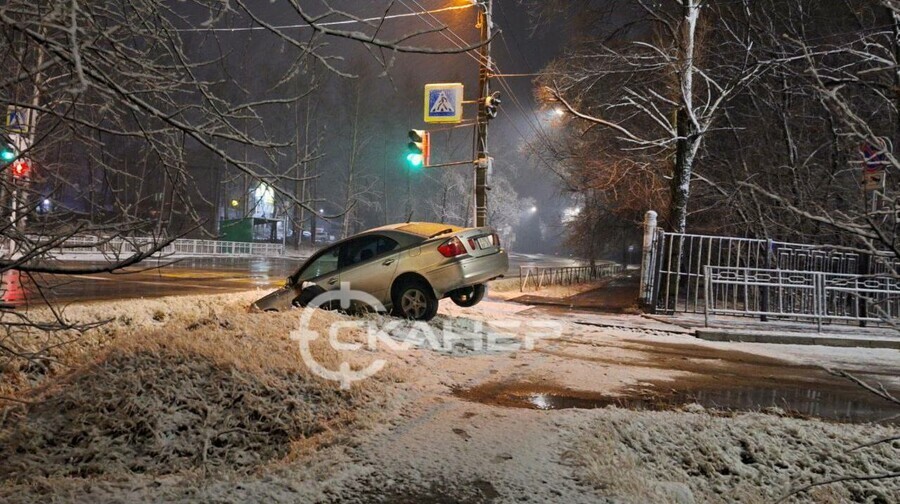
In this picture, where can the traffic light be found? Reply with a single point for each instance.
(419, 149)
(492, 104)
(21, 169)
(7, 153)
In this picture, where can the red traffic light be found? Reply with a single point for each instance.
(21, 168)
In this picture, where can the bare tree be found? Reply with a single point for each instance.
(652, 93)
(843, 85)
(135, 114)
(454, 191)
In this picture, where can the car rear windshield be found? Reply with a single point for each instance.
(427, 229)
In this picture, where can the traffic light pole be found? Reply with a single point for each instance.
(484, 91)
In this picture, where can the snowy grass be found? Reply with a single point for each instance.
(679, 457)
(171, 385)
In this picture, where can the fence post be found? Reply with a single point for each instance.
(864, 267)
(764, 291)
(646, 273)
(819, 290)
(707, 282)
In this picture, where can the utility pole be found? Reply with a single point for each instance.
(482, 157)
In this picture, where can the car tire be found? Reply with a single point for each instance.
(468, 297)
(415, 300)
(307, 295)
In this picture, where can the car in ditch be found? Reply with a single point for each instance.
(407, 267)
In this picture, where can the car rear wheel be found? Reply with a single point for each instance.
(415, 301)
(469, 296)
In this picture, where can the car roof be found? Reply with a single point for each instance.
(423, 229)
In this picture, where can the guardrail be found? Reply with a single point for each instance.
(123, 247)
(817, 295)
(545, 276)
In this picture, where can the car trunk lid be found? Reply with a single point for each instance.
(479, 241)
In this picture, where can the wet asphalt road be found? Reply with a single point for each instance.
(150, 279)
(181, 277)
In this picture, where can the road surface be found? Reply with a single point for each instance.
(184, 276)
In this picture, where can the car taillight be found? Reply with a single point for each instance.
(496, 239)
(452, 248)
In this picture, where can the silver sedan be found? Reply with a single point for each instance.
(407, 267)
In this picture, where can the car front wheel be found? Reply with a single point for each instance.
(307, 295)
(469, 296)
(415, 301)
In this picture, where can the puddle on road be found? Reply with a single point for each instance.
(725, 380)
(842, 404)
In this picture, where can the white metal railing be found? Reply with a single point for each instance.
(803, 295)
(123, 247)
(545, 276)
(677, 262)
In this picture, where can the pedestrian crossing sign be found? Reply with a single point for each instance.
(443, 103)
(17, 119)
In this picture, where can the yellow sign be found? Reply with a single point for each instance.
(18, 120)
(443, 103)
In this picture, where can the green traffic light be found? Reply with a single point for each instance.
(7, 155)
(415, 160)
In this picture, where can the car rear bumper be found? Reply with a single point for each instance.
(467, 272)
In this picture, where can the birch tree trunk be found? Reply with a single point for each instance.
(688, 127)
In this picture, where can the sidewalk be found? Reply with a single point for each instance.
(751, 330)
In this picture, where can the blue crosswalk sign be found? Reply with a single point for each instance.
(443, 103)
(16, 120)
(440, 103)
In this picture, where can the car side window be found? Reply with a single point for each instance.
(322, 265)
(366, 248)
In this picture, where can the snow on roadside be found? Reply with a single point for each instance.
(697, 456)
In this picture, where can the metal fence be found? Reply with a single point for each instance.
(538, 277)
(677, 265)
(122, 247)
(800, 295)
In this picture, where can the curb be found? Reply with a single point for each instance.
(797, 339)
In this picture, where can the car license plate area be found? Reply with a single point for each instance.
(484, 242)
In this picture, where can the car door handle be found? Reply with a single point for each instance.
(388, 262)
(332, 280)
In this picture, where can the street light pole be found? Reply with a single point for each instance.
(482, 160)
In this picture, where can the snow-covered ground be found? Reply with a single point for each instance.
(456, 423)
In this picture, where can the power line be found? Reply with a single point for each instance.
(327, 23)
(442, 32)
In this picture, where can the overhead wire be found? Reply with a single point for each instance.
(325, 23)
